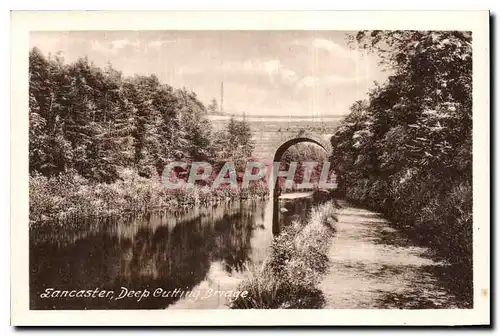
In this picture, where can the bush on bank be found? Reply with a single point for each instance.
(69, 195)
(288, 278)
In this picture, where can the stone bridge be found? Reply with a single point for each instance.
(274, 134)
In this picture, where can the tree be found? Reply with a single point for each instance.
(407, 150)
(302, 153)
(213, 108)
(96, 121)
(236, 142)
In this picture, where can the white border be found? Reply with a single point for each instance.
(23, 22)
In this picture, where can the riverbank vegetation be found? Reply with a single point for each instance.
(70, 196)
(288, 278)
(99, 141)
(406, 150)
(301, 154)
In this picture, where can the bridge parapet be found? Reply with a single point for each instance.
(269, 134)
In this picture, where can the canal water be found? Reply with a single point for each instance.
(186, 260)
(169, 257)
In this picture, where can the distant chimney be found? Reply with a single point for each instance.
(221, 97)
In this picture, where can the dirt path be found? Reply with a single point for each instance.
(373, 266)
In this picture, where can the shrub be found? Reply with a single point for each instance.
(69, 195)
(288, 278)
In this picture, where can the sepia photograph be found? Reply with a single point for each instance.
(277, 169)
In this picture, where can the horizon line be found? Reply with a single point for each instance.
(299, 116)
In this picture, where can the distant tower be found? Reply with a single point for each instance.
(221, 97)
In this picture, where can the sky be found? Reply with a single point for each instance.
(279, 73)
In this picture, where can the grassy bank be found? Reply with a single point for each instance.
(288, 278)
(68, 196)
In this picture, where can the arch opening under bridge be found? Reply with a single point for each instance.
(278, 154)
(301, 138)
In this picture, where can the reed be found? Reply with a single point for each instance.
(69, 196)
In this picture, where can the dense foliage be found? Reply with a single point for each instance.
(302, 153)
(235, 142)
(96, 120)
(94, 127)
(406, 149)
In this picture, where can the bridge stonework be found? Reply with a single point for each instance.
(270, 132)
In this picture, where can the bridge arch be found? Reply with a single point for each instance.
(287, 143)
(278, 153)
(293, 140)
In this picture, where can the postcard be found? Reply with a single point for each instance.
(250, 168)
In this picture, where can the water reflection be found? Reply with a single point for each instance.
(289, 208)
(167, 251)
(372, 264)
(200, 249)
